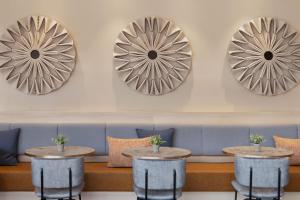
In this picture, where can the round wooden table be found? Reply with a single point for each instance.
(251, 152)
(163, 154)
(51, 152)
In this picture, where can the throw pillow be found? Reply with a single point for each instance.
(289, 144)
(166, 135)
(9, 146)
(117, 145)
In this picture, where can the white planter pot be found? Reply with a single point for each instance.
(60, 147)
(257, 147)
(155, 148)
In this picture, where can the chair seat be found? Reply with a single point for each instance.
(157, 194)
(58, 193)
(256, 192)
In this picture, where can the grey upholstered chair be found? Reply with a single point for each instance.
(260, 178)
(158, 179)
(57, 178)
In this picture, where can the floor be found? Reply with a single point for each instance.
(131, 196)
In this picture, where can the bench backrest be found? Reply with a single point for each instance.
(201, 139)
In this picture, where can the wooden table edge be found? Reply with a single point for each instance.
(256, 156)
(57, 156)
(159, 158)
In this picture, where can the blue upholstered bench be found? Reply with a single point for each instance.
(205, 141)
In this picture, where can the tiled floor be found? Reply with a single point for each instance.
(131, 196)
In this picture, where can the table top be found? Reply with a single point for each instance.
(251, 152)
(51, 152)
(163, 154)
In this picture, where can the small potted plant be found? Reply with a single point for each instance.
(60, 142)
(156, 141)
(256, 140)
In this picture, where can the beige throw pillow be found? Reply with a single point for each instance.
(117, 145)
(289, 144)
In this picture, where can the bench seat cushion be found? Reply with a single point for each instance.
(99, 177)
(16, 178)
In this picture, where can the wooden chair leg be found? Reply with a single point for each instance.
(79, 196)
(235, 195)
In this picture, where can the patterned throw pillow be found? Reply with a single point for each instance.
(117, 145)
(289, 144)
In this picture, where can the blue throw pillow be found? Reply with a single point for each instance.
(166, 135)
(9, 146)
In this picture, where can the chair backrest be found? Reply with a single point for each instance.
(160, 173)
(56, 172)
(264, 171)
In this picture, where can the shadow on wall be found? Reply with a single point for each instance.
(243, 100)
(126, 99)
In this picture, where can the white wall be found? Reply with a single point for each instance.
(95, 86)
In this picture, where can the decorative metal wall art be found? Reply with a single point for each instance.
(265, 56)
(37, 54)
(152, 56)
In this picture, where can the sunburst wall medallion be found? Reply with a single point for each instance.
(152, 56)
(37, 54)
(265, 56)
